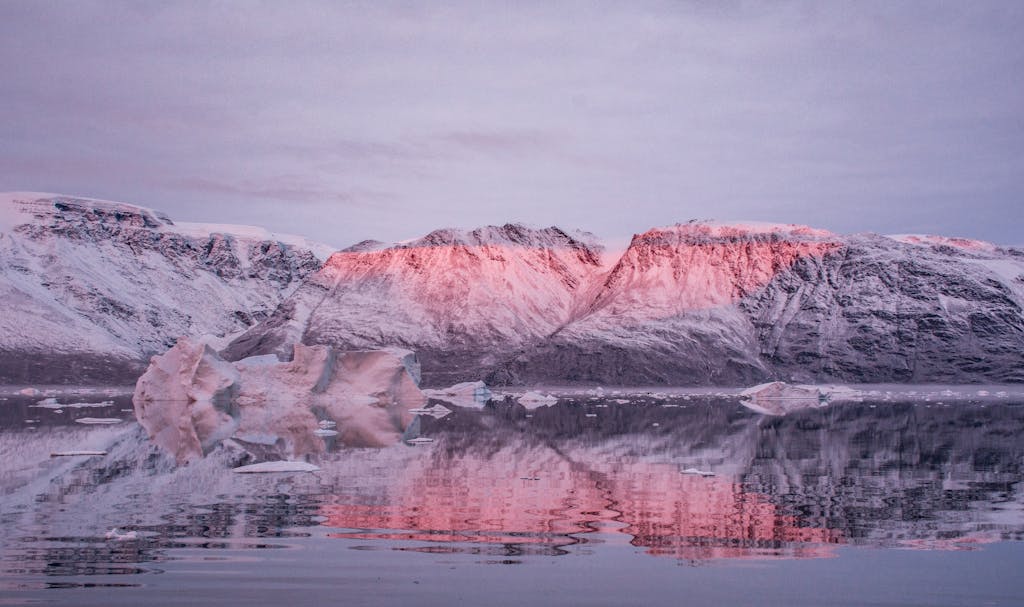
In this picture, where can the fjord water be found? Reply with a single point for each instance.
(593, 501)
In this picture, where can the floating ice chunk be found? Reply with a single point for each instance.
(51, 403)
(696, 472)
(75, 453)
(533, 400)
(419, 440)
(116, 535)
(470, 394)
(326, 424)
(780, 398)
(325, 432)
(622, 401)
(98, 420)
(278, 466)
(590, 415)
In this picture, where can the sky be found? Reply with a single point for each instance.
(347, 121)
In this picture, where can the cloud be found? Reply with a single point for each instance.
(607, 116)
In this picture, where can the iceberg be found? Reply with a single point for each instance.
(534, 400)
(470, 394)
(779, 398)
(190, 400)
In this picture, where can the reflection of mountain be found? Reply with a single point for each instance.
(901, 475)
(566, 480)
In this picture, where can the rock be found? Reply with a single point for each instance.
(190, 400)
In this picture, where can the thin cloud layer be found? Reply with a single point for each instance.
(351, 122)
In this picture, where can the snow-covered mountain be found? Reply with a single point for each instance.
(91, 288)
(691, 303)
(464, 300)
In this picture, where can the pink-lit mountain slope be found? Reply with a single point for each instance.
(463, 299)
(692, 303)
(90, 289)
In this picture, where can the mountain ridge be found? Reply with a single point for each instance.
(692, 303)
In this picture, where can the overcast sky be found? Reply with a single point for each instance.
(371, 121)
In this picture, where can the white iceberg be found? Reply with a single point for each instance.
(470, 394)
(98, 420)
(534, 400)
(189, 400)
(779, 398)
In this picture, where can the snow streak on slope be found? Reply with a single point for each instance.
(94, 287)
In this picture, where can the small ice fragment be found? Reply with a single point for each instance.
(420, 440)
(98, 420)
(697, 472)
(533, 400)
(325, 432)
(277, 466)
(655, 424)
(116, 535)
(326, 424)
(590, 415)
(51, 403)
(74, 453)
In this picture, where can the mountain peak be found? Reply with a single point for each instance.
(20, 208)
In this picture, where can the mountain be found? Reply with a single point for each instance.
(463, 300)
(697, 303)
(91, 288)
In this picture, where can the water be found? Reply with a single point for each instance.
(874, 503)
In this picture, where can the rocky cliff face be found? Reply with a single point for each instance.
(91, 288)
(698, 303)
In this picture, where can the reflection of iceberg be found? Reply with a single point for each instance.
(780, 398)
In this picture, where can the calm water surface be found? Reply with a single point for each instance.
(586, 502)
